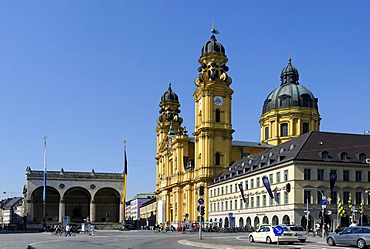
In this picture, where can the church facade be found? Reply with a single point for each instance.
(185, 163)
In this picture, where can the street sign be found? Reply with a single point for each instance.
(323, 202)
(278, 230)
(328, 212)
(201, 201)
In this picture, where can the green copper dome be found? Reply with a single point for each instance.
(290, 93)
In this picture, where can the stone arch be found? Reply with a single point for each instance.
(256, 222)
(249, 221)
(265, 220)
(51, 204)
(286, 220)
(226, 224)
(77, 203)
(275, 220)
(107, 201)
(241, 222)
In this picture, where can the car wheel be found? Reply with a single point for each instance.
(302, 240)
(251, 240)
(361, 243)
(268, 240)
(331, 242)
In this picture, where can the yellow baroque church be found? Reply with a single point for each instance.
(185, 163)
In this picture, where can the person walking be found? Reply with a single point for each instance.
(68, 230)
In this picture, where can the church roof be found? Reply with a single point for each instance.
(313, 146)
(290, 93)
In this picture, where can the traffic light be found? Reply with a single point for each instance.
(287, 187)
(201, 190)
(202, 210)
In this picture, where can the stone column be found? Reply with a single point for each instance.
(92, 211)
(62, 210)
(121, 212)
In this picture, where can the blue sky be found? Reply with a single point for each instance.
(90, 74)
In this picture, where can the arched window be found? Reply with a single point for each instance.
(218, 115)
(325, 155)
(284, 129)
(362, 157)
(218, 158)
(305, 128)
(267, 133)
(343, 156)
(275, 220)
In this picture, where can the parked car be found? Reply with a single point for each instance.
(300, 232)
(354, 236)
(266, 234)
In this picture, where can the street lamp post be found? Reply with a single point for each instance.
(323, 206)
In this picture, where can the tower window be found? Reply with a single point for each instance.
(284, 130)
(305, 128)
(218, 158)
(266, 133)
(306, 100)
(218, 115)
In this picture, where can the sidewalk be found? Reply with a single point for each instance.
(239, 241)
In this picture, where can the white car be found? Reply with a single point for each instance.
(300, 231)
(266, 234)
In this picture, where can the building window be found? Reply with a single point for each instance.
(305, 128)
(218, 191)
(358, 198)
(264, 200)
(241, 204)
(252, 202)
(346, 175)
(319, 196)
(284, 130)
(226, 189)
(218, 115)
(226, 205)
(258, 182)
(258, 201)
(286, 197)
(266, 133)
(368, 176)
(222, 205)
(271, 201)
(345, 197)
(307, 174)
(343, 156)
(252, 183)
(231, 205)
(334, 197)
(236, 187)
(245, 155)
(271, 179)
(362, 157)
(236, 204)
(286, 175)
(325, 155)
(218, 158)
(246, 202)
(246, 184)
(358, 176)
(306, 100)
(320, 174)
(277, 177)
(222, 190)
(277, 197)
(211, 192)
(307, 197)
(218, 206)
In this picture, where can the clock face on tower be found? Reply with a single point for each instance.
(218, 100)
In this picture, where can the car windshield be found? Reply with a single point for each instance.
(297, 228)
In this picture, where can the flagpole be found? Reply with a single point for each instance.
(123, 196)
(44, 190)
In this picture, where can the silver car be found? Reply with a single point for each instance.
(355, 236)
